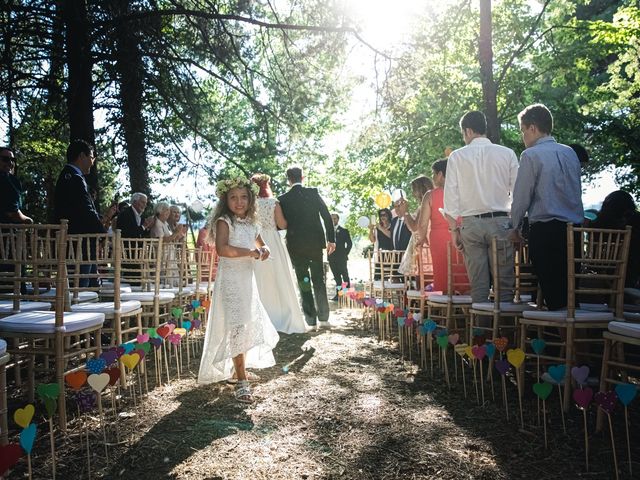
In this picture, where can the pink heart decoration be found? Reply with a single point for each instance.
(606, 400)
(144, 338)
(479, 351)
(582, 397)
(171, 326)
(174, 339)
(580, 374)
(453, 338)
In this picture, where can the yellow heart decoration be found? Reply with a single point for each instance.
(23, 416)
(130, 360)
(469, 352)
(515, 357)
(180, 331)
(461, 349)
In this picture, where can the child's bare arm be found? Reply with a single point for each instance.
(262, 248)
(225, 250)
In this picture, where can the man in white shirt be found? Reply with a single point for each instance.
(480, 179)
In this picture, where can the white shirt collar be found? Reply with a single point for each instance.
(294, 184)
(136, 215)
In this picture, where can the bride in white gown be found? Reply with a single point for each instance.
(276, 282)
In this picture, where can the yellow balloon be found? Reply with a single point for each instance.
(383, 200)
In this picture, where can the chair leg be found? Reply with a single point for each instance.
(603, 380)
(59, 361)
(523, 346)
(571, 333)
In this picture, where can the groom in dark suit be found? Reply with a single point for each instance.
(304, 208)
(339, 258)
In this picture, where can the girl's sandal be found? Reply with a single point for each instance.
(243, 392)
(252, 377)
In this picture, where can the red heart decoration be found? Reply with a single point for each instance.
(114, 375)
(9, 456)
(479, 351)
(582, 397)
(606, 400)
(163, 331)
(501, 343)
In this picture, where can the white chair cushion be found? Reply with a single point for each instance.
(633, 293)
(202, 288)
(147, 297)
(3, 347)
(452, 298)
(594, 307)
(525, 298)
(45, 322)
(561, 315)
(107, 307)
(624, 328)
(173, 290)
(632, 316)
(83, 296)
(6, 306)
(504, 306)
(388, 285)
(108, 290)
(630, 307)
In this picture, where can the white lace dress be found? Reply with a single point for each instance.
(275, 278)
(238, 323)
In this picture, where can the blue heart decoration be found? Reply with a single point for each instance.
(538, 345)
(557, 372)
(195, 303)
(626, 393)
(477, 332)
(423, 330)
(128, 347)
(430, 325)
(490, 349)
(27, 437)
(400, 321)
(96, 365)
(186, 324)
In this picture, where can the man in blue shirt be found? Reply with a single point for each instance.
(10, 190)
(548, 188)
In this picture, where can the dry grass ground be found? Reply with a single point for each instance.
(346, 408)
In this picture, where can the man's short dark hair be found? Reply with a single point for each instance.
(7, 149)
(538, 115)
(294, 174)
(581, 152)
(440, 166)
(77, 147)
(474, 120)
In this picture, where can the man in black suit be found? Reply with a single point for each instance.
(130, 220)
(400, 233)
(338, 259)
(304, 208)
(72, 199)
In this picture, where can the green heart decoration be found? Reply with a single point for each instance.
(51, 405)
(542, 390)
(152, 333)
(48, 390)
(176, 312)
(145, 346)
(443, 341)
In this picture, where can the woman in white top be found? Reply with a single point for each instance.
(276, 284)
(160, 229)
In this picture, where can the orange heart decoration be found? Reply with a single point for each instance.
(501, 343)
(76, 379)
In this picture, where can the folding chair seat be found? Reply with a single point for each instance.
(597, 266)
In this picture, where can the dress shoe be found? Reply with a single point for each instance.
(335, 298)
(324, 325)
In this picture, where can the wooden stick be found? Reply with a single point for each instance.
(177, 361)
(464, 379)
(613, 446)
(538, 377)
(53, 448)
(564, 426)
(104, 432)
(481, 381)
(166, 361)
(188, 354)
(586, 439)
(520, 398)
(29, 466)
(626, 424)
(431, 352)
(504, 397)
(115, 415)
(455, 364)
(84, 429)
(475, 380)
(544, 419)
(493, 392)
(446, 368)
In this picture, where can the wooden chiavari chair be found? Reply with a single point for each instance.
(389, 288)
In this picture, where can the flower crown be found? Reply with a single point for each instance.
(223, 186)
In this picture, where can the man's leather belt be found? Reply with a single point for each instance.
(492, 215)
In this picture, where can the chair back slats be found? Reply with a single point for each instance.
(425, 267)
(141, 263)
(597, 263)
(389, 261)
(457, 278)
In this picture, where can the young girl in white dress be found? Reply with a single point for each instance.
(239, 334)
(276, 284)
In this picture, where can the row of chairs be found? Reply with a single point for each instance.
(104, 290)
(597, 261)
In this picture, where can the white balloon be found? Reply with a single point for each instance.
(398, 194)
(197, 206)
(363, 222)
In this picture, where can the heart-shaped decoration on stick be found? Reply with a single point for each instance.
(479, 340)
(538, 345)
(583, 397)
(479, 351)
(9, 455)
(174, 338)
(557, 372)
(48, 390)
(501, 343)
(460, 348)
(96, 365)
(109, 356)
(469, 351)
(606, 400)
(130, 360)
(98, 381)
(143, 338)
(491, 349)
(453, 338)
(76, 379)
(163, 331)
(626, 393)
(515, 357)
(430, 325)
(443, 341)
(580, 374)
(542, 390)
(114, 375)
(156, 342)
(23, 416)
(502, 366)
(27, 437)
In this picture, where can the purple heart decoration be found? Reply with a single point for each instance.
(606, 400)
(502, 366)
(580, 374)
(96, 365)
(196, 324)
(626, 393)
(582, 397)
(86, 400)
(109, 357)
(156, 342)
(140, 352)
(408, 322)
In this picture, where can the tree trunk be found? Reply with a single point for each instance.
(80, 87)
(7, 60)
(485, 55)
(131, 80)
